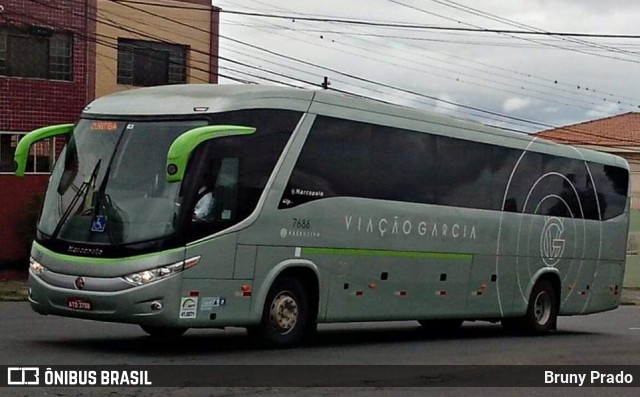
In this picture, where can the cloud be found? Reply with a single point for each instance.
(515, 103)
(542, 79)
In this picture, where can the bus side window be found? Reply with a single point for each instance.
(203, 210)
(217, 201)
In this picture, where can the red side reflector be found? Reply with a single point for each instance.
(194, 293)
(359, 293)
(246, 293)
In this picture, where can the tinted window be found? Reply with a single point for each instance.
(352, 159)
(403, 166)
(226, 176)
(611, 184)
(36, 52)
(523, 179)
(463, 177)
(503, 162)
(148, 63)
(347, 158)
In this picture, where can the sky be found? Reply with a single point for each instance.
(537, 82)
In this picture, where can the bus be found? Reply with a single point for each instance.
(275, 209)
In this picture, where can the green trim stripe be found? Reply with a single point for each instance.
(386, 253)
(98, 261)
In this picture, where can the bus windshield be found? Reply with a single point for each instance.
(109, 185)
(109, 188)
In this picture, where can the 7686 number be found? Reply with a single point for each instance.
(301, 223)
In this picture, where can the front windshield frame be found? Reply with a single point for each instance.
(268, 121)
(99, 179)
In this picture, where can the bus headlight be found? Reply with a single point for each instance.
(159, 273)
(36, 267)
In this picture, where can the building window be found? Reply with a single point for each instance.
(41, 155)
(149, 63)
(35, 53)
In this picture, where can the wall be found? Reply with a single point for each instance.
(12, 210)
(29, 103)
(632, 271)
(634, 165)
(121, 20)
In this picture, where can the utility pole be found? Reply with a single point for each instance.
(325, 83)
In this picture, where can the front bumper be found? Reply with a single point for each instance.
(136, 305)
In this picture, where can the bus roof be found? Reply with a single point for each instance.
(190, 99)
(193, 99)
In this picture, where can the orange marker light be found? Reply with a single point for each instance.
(246, 290)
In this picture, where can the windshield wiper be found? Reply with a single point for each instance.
(102, 200)
(80, 194)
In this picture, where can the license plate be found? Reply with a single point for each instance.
(79, 304)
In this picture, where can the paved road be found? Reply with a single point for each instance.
(606, 338)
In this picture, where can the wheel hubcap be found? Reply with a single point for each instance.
(284, 312)
(542, 308)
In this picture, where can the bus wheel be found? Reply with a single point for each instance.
(163, 332)
(542, 312)
(286, 316)
(441, 327)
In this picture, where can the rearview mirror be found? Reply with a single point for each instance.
(181, 148)
(22, 150)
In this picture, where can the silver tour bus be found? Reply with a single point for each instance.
(276, 209)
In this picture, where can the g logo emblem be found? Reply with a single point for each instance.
(551, 242)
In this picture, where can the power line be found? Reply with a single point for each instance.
(392, 24)
(493, 113)
(141, 33)
(492, 17)
(520, 90)
(428, 27)
(550, 84)
(516, 33)
(395, 88)
(300, 18)
(459, 38)
(96, 40)
(195, 28)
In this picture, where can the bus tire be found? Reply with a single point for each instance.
(441, 327)
(286, 316)
(541, 315)
(164, 332)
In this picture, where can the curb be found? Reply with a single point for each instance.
(14, 291)
(13, 298)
